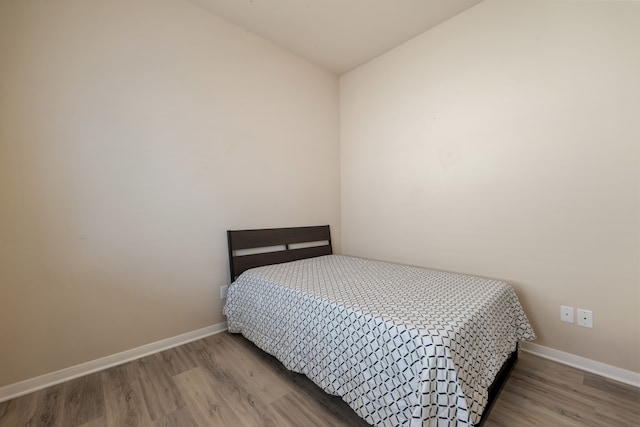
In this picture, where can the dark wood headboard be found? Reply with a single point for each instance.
(242, 240)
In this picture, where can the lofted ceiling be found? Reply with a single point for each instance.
(338, 35)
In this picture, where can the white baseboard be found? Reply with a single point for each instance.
(598, 368)
(28, 386)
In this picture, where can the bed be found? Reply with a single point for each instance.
(403, 346)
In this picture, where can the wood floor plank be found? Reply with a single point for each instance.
(158, 389)
(11, 410)
(84, 400)
(298, 382)
(557, 401)
(98, 422)
(181, 417)
(177, 360)
(45, 408)
(247, 404)
(124, 403)
(266, 375)
(555, 376)
(271, 382)
(542, 392)
(508, 413)
(615, 403)
(612, 390)
(247, 368)
(607, 417)
(205, 403)
(296, 411)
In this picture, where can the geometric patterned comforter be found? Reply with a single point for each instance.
(403, 346)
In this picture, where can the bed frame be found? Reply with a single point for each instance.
(277, 245)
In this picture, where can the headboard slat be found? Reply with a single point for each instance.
(245, 239)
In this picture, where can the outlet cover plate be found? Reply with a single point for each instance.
(585, 318)
(223, 291)
(566, 314)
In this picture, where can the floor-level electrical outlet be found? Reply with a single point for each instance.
(585, 318)
(223, 291)
(566, 314)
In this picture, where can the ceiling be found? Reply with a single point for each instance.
(338, 35)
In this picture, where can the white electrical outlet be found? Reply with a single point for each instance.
(223, 291)
(585, 318)
(566, 314)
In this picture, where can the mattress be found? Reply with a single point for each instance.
(403, 346)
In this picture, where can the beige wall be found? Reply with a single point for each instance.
(133, 134)
(506, 143)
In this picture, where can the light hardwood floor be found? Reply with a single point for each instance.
(224, 380)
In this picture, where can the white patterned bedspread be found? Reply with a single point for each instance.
(403, 346)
